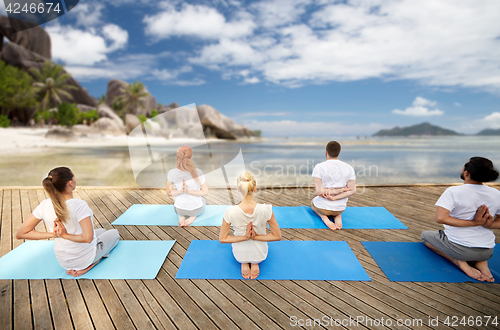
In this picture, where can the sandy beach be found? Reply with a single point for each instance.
(23, 140)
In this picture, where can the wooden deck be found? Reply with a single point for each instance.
(167, 303)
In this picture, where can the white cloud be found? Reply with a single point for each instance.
(85, 47)
(126, 67)
(279, 12)
(418, 112)
(435, 42)
(170, 76)
(420, 101)
(457, 104)
(196, 21)
(299, 128)
(420, 109)
(492, 121)
(87, 14)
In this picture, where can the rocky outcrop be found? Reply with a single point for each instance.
(85, 108)
(33, 38)
(115, 90)
(108, 126)
(85, 131)
(60, 133)
(131, 122)
(221, 126)
(164, 108)
(25, 59)
(103, 111)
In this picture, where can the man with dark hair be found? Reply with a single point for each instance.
(335, 181)
(466, 213)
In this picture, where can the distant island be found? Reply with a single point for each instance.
(420, 129)
(489, 131)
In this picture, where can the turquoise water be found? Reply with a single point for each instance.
(274, 161)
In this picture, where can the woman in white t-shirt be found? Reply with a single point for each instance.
(77, 246)
(249, 221)
(191, 186)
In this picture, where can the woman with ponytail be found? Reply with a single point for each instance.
(249, 221)
(191, 186)
(77, 246)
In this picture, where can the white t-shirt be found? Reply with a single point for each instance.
(186, 201)
(70, 255)
(333, 173)
(463, 202)
(249, 251)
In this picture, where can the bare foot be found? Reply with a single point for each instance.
(470, 271)
(189, 221)
(70, 272)
(338, 221)
(181, 221)
(255, 271)
(482, 266)
(328, 223)
(245, 271)
(77, 273)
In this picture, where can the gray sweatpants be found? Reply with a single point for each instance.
(191, 213)
(439, 240)
(106, 241)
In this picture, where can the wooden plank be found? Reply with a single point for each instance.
(132, 305)
(40, 305)
(58, 306)
(98, 313)
(114, 306)
(76, 305)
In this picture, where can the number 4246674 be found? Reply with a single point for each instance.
(15, 8)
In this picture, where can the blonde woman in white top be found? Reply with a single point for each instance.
(78, 246)
(249, 221)
(191, 185)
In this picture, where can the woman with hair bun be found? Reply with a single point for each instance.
(191, 186)
(78, 246)
(249, 221)
(467, 212)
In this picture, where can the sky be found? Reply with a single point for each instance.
(293, 67)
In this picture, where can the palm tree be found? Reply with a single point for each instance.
(102, 99)
(49, 85)
(131, 98)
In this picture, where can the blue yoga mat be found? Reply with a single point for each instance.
(164, 215)
(286, 260)
(35, 260)
(414, 262)
(352, 218)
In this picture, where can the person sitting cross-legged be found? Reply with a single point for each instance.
(335, 181)
(466, 213)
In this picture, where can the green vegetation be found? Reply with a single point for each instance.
(17, 90)
(67, 114)
(102, 99)
(4, 121)
(258, 132)
(131, 99)
(153, 113)
(420, 129)
(142, 118)
(91, 114)
(50, 86)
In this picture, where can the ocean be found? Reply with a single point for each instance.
(274, 161)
